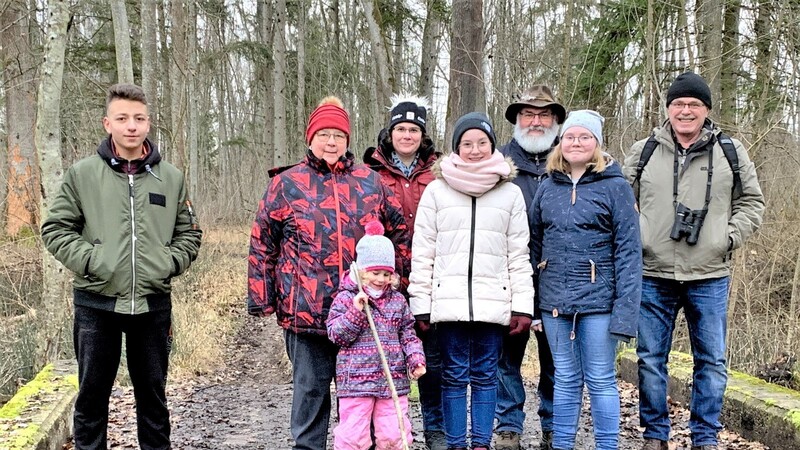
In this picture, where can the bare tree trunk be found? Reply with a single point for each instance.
(19, 82)
(301, 77)
(122, 41)
(431, 34)
(652, 114)
(282, 152)
(384, 78)
(192, 97)
(149, 49)
(727, 109)
(177, 73)
(166, 69)
(709, 22)
(48, 144)
(466, 92)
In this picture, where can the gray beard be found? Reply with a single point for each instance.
(535, 144)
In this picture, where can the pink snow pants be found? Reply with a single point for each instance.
(352, 433)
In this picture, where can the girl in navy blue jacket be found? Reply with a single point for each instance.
(588, 253)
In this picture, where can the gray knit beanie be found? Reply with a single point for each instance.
(586, 118)
(375, 251)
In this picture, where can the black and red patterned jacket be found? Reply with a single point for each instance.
(305, 234)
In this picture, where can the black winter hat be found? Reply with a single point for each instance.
(689, 84)
(408, 109)
(469, 121)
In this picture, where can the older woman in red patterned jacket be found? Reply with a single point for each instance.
(302, 240)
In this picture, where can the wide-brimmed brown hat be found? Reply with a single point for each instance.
(538, 96)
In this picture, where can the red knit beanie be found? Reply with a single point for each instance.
(329, 114)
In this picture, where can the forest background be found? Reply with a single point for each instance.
(231, 84)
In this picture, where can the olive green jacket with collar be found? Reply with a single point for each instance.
(729, 222)
(124, 236)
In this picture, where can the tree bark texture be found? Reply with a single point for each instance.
(19, 83)
(467, 92)
(122, 41)
(55, 300)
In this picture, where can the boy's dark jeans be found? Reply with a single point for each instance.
(97, 336)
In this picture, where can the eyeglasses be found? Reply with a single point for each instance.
(404, 130)
(527, 115)
(325, 135)
(583, 139)
(694, 106)
(467, 146)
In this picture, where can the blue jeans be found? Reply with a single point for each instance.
(511, 390)
(705, 305)
(430, 386)
(470, 351)
(313, 360)
(589, 359)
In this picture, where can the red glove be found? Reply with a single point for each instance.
(423, 326)
(519, 324)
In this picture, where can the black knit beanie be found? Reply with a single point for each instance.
(469, 121)
(408, 110)
(689, 84)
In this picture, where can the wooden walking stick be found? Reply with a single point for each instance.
(386, 372)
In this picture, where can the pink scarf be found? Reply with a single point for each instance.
(474, 178)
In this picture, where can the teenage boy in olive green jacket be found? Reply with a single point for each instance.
(122, 222)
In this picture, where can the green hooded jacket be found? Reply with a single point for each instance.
(124, 236)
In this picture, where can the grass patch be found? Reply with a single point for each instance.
(206, 302)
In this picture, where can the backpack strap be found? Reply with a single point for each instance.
(644, 157)
(729, 150)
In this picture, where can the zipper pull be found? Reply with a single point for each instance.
(574, 194)
(592, 270)
(130, 185)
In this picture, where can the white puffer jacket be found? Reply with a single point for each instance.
(470, 256)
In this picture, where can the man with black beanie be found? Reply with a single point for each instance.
(692, 219)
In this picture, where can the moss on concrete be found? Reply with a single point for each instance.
(30, 416)
(793, 417)
(42, 383)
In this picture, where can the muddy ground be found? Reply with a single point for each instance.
(246, 405)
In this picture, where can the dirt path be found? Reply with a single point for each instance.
(246, 405)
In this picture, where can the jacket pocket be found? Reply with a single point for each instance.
(98, 267)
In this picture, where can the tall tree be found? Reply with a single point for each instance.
(709, 32)
(177, 75)
(149, 43)
(300, 43)
(429, 56)
(384, 77)
(730, 63)
(122, 41)
(48, 145)
(19, 84)
(466, 92)
(282, 152)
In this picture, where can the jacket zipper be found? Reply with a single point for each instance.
(133, 244)
(471, 256)
(338, 221)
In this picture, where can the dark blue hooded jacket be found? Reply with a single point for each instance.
(587, 248)
(530, 168)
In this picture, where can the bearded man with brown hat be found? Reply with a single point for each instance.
(536, 116)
